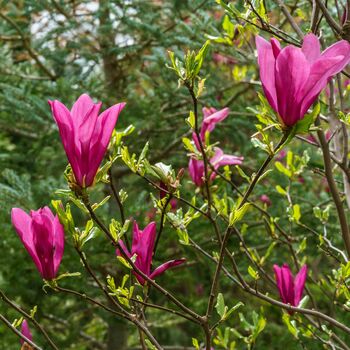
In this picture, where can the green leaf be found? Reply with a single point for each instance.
(242, 173)
(254, 274)
(200, 57)
(124, 262)
(195, 343)
(188, 144)
(150, 345)
(303, 302)
(233, 309)
(303, 125)
(143, 153)
(220, 305)
(228, 27)
(258, 144)
(280, 190)
(95, 206)
(296, 212)
(282, 169)
(291, 325)
(238, 214)
(190, 121)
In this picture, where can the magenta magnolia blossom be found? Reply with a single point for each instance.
(293, 77)
(85, 134)
(25, 331)
(196, 167)
(143, 246)
(43, 236)
(211, 117)
(290, 288)
(264, 198)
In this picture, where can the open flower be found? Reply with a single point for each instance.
(143, 246)
(196, 167)
(293, 77)
(211, 117)
(43, 236)
(25, 331)
(85, 135)
(290, 288)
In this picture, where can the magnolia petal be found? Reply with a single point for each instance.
(210, 121)
(292, 72)
(220, 159)
(81, 107)
(22, 223)
(100, 139)
(59, 244)
(43, 238)
(332, 61)
(25, 331)
(266, 61)
(47, 211)
(196, 141)
(64, 122)
(196, 170)
(146, 246)
(207, 111)
(320, 73)
(288, 284)
(278, 277)
(276, 47)
(299, 284)
(340, 48)
(162, 268)
(284, 280)
(85, 133)
(311, 47)
(124, 249)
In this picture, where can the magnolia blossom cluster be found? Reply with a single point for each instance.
(291, 77)
(85, 136)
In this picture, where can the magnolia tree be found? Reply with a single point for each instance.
(211, 220)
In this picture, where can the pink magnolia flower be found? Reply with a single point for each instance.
(143, 246)
(25, 331)
(293, 77)
(265, 199)
(43, 237)
(211, 117)
(290, 288)
(85, 134)
(196, 167)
